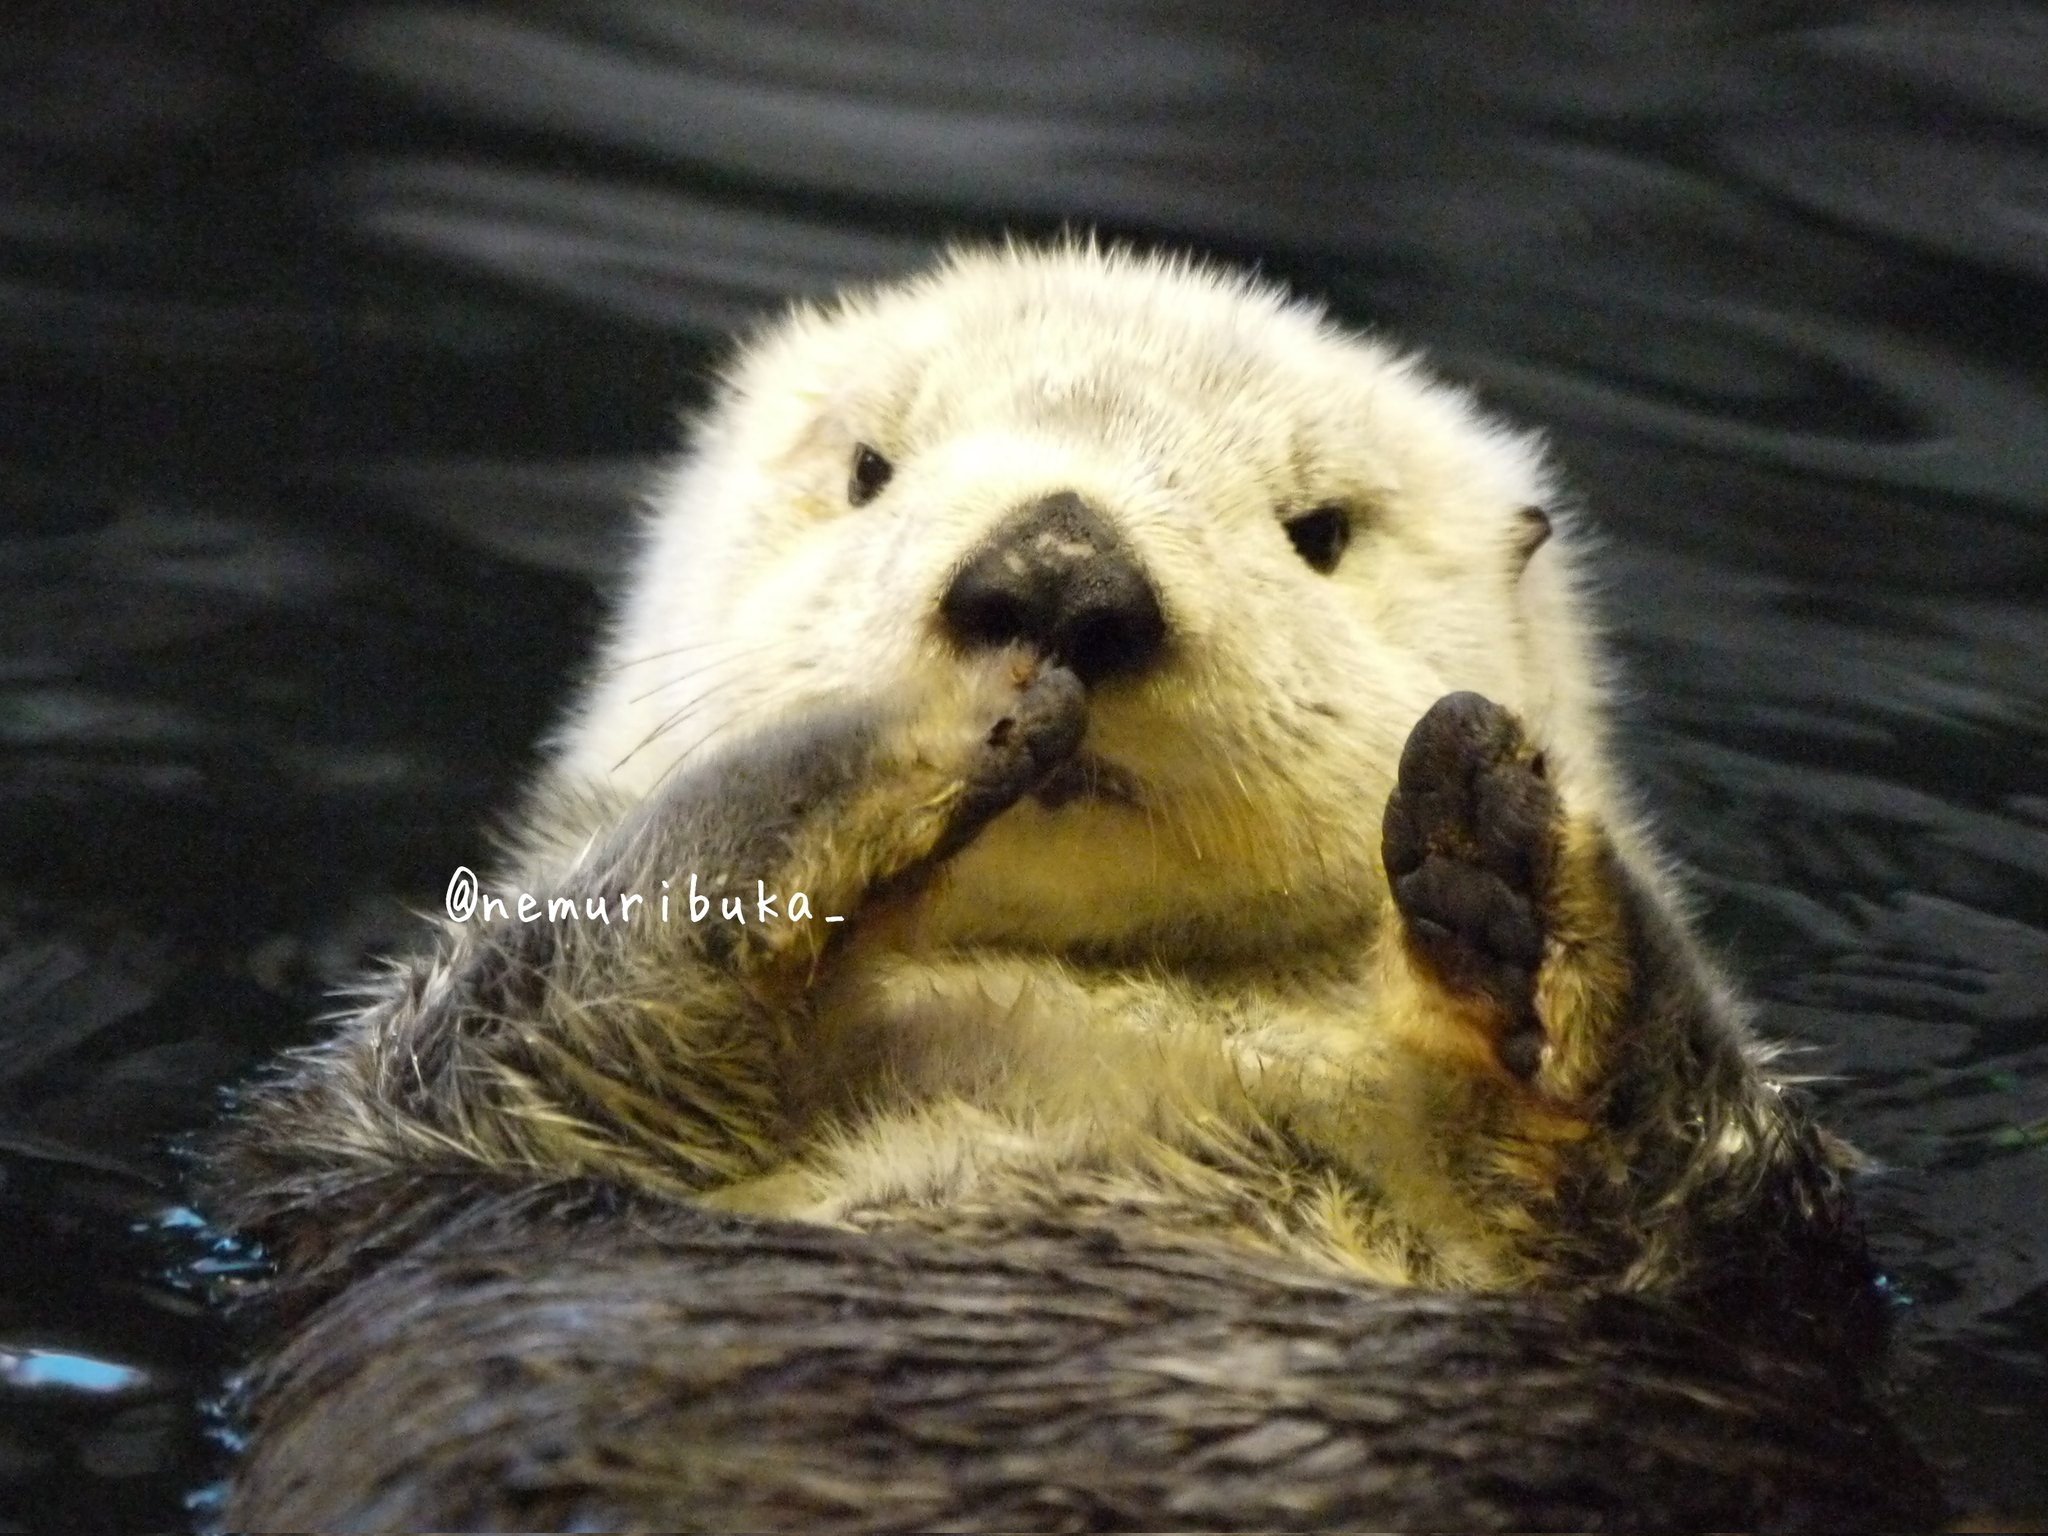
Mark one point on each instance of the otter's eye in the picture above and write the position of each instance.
(870, 473)
(1320, 537)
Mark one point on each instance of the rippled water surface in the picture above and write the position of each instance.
(335, 339)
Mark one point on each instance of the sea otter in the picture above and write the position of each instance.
(1090, 753)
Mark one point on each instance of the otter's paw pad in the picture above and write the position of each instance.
(1031, 738)
(1470, 841)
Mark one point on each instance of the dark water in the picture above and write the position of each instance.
(334, 338)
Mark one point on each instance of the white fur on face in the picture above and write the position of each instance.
(1196, 411)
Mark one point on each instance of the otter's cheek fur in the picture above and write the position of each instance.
(1188, 712)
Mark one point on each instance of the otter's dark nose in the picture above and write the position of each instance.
(1054, 575)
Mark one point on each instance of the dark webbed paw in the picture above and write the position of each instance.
(1470, 845)
(1040, 730)
(1024, 745)
(966, 749)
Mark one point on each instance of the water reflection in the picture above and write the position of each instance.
(334, 338)
(32, 1370)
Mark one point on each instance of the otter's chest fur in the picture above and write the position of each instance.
(990, 1090)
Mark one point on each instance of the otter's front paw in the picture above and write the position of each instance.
(1033, 734)
(1470, 845)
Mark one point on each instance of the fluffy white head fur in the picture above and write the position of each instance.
(1197, 410)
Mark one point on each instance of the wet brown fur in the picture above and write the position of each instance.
(573, 1356)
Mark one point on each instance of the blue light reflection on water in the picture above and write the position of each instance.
(33, 1369)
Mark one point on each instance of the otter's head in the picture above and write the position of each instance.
(1266, 544)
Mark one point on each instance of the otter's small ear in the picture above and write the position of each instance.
(1532, 532)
